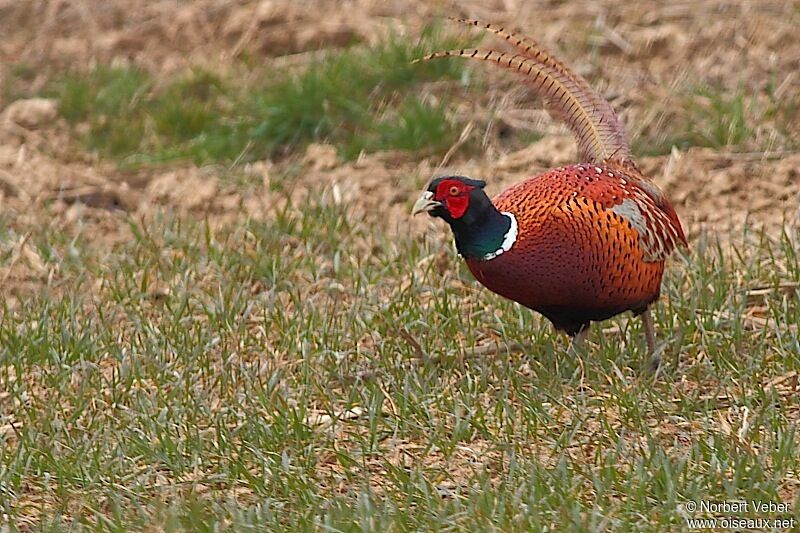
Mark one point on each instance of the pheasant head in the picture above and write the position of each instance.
(480, 230)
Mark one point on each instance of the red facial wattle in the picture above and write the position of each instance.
(457, 205)
(455, 197)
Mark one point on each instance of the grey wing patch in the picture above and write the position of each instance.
(657, 237)
(629, 210)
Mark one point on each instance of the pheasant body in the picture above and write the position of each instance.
(579, 243)
(583, 234)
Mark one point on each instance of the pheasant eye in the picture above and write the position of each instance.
(454, 190)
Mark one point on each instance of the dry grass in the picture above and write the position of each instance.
(274, 344)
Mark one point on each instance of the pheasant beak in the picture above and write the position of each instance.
(425, 203)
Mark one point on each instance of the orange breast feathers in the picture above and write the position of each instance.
(589, 237)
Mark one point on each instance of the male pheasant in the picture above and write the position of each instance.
(580, 243)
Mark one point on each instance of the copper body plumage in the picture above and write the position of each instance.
(580, 243)
(576, 260)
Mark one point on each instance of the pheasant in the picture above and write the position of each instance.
(577, 244)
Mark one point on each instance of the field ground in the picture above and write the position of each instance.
(217, 312)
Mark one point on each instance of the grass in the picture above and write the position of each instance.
(308, 372)
(715, 118)
(15, 82)
(311, 370)
(359, 100)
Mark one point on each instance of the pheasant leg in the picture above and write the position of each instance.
(578, 341)
(650, 338)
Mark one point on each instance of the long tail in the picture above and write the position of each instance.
(567, 96)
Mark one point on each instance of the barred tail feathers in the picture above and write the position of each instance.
(568, 96)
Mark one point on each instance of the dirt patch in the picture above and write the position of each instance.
(639, 55)
(644, 52)
(165, 35)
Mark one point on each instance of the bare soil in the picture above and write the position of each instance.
(643, 52)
